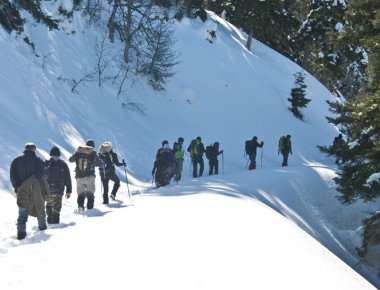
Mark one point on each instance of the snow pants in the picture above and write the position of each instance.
(53, 208)
(116, 185)
(196, 161)
(213, 165)
(86, 189)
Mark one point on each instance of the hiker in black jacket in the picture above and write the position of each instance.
(110, 159)
(251, 150)
(58, 178)
(27, 177)
(164, 165)
(212, 153)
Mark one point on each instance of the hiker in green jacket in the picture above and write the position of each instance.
(179, 154)
(285, 148)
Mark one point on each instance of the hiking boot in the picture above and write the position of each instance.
(21, 235)
(113, 197)
(43, 227)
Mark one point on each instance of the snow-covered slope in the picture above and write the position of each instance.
(221, 92)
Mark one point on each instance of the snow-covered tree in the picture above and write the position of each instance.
(298, 96)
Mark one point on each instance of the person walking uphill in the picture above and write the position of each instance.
(251, 150)
(164, 165)
(179, 155)
(285, 148)
(110, 159)
(58, 178)
(197, 149)
(212, 153)
(29, 183)
(86, 160)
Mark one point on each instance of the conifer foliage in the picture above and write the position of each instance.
(298, 98)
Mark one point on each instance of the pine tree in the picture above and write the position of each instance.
(359, 117)
(298, 96)
(319, 48)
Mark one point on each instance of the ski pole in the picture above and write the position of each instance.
(126, 178)
(223, 162)
(261, 161)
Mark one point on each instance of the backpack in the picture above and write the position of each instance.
(248, 149)
(84, 161)
(209, 150)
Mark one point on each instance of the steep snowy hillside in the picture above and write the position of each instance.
(221, 92)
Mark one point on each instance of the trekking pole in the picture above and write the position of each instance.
(261, 161)
(223, 162)
(126, 178)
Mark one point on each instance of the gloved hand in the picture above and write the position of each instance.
(124, 164)
(68, 194)
(262, 143)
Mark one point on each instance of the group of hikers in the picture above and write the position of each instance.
(40, 185)
(168, 164)
(169, 161)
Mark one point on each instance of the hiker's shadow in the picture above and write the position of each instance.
(95, 213)
(62, 225)
(117, 205)
(34, 238)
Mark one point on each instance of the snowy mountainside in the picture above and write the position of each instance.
(220, 91)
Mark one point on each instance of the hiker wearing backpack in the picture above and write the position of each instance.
(108, 172)
(164, 165)
(58, 178)
(179, 155)
(197, 150)
(212, 153)
(29, 183)
(251, 150)
(86, 160)
(285, 148)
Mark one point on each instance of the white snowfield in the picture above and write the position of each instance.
(209, 233)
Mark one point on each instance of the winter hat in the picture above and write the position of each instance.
(199, 138)
(30, 146)
(180, 140)
(165, 142)
(55, 151)
(90, 143)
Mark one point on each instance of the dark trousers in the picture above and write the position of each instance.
(53, 208)
(90, 199)
(163, 176)
(196, 161)
(285, 156)
(116, 185)
(213, 165)
(23, 218)
(178, 169)
(252, 163)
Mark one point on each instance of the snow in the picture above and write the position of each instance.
(211, 233)
(373, 178)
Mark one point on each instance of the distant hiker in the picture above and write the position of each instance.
(86, 160)
(108, 173)
(251, 150)
(197, 149)
(29, 183)
(164, 165)
(212, 153)
(211, 35)
(285, 148)
(179, 155)
(58, 178)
